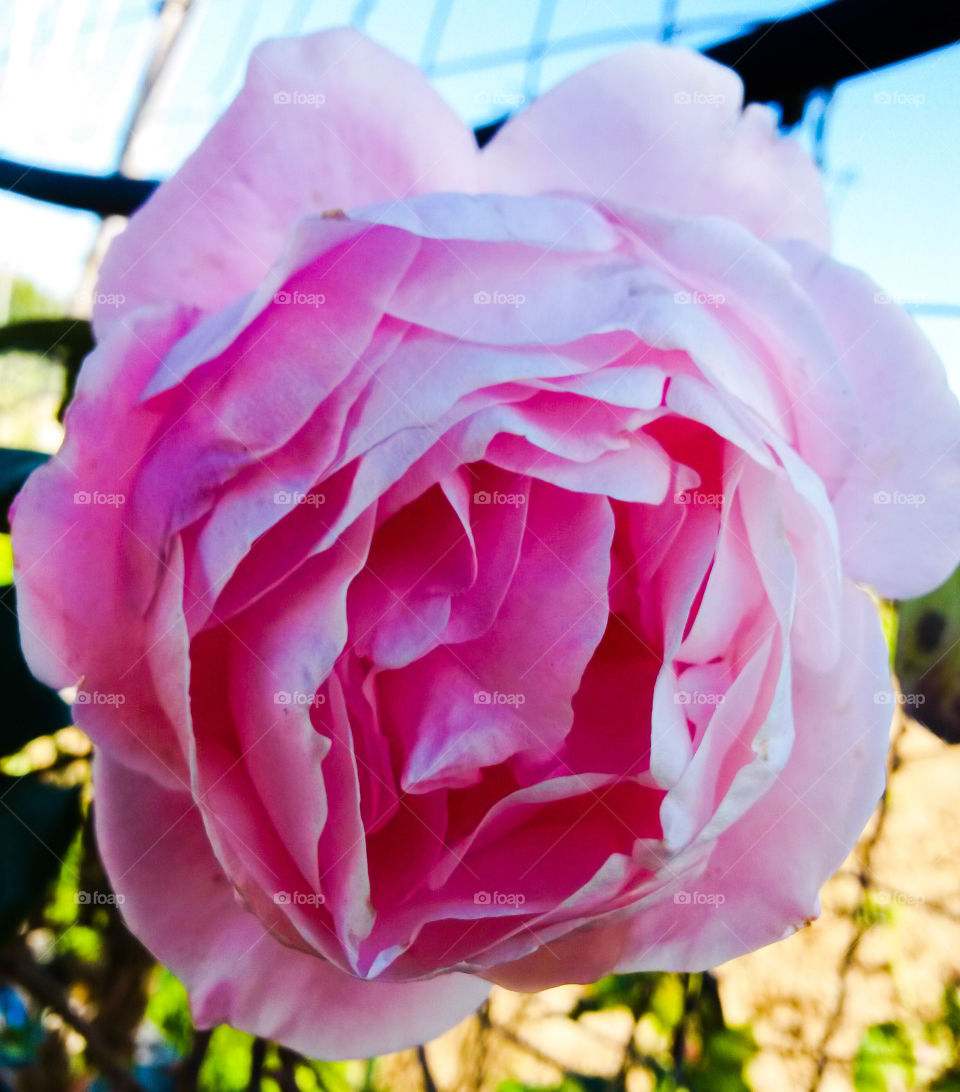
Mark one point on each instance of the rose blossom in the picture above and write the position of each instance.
(482, 577)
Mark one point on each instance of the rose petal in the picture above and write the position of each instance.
(153, 844)
(211, 232)
(662, 128)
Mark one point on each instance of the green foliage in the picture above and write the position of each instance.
(6, 560)
(27, 301)
(631, 991)
(720, 1067)
(226, 1067)
(871, 911)
(569, 1084)
(701, 1053)
(885, 1054)
(169, 1009)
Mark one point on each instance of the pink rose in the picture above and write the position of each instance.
(478, 566)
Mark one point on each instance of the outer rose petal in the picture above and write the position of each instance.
(910, 446)
(663, 128)
(77, 623)
(210, 233)
(798, 834)
(153, 844)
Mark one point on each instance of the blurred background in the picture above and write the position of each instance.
(99, 100)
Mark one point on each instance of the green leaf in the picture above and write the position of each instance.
(720, 1067)
(885, 1051)
(666, 1001)
(37, 823)
(28, 708)
(15, 467)
(169, 1009)
(6, 560)
(632, 991)
(226, 1065)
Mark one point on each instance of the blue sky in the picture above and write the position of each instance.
(69, 70)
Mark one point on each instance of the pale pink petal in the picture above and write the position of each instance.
(765, 872)
(153, 845)
(86, 618)
(662, 128)
(897, 509)
(211, 232)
